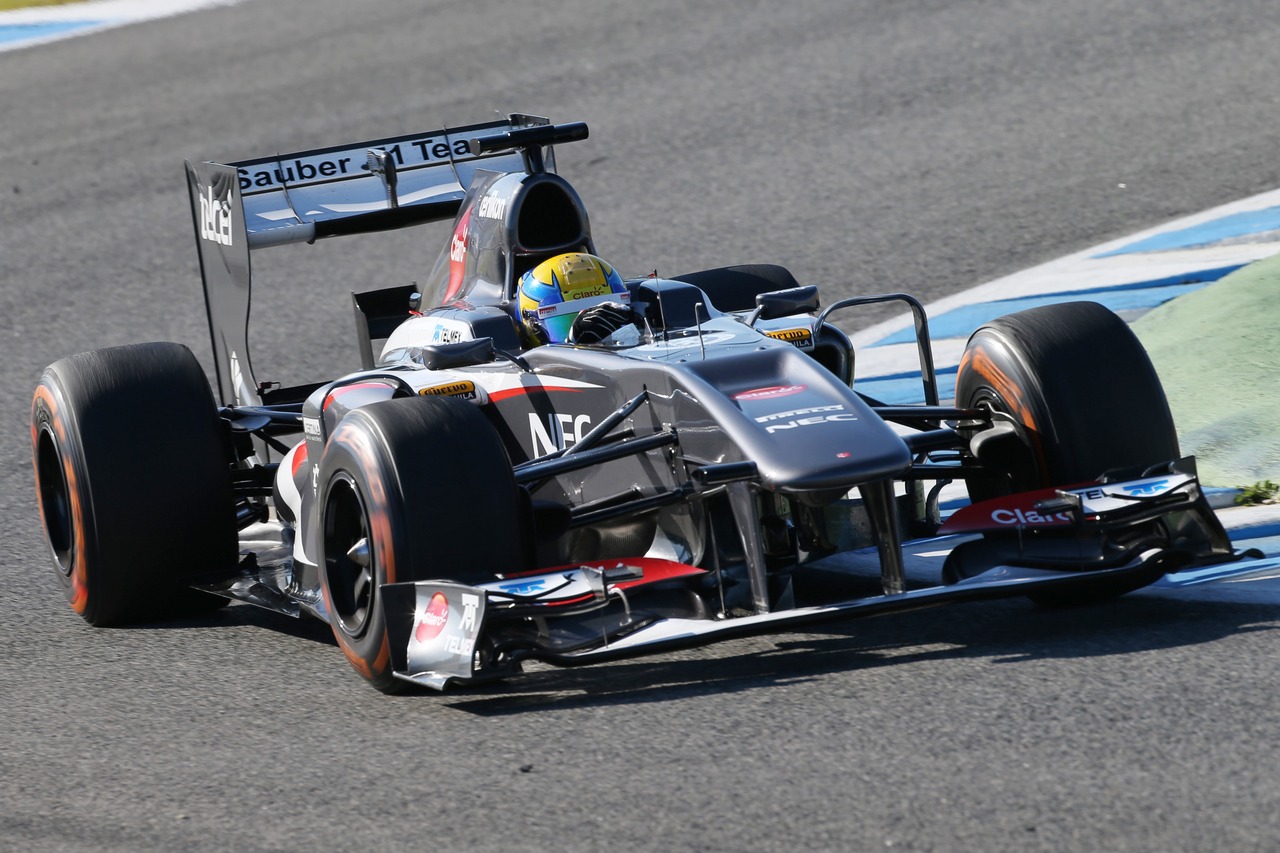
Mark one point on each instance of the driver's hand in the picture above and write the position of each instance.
(599, 323)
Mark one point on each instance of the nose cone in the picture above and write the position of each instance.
(811, 438)
(804, 429)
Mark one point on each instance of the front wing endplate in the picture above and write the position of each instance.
(432, 628)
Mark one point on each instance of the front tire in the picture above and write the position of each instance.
(132, 480)
(411, 489)
(1080, 389)
(1084, 399)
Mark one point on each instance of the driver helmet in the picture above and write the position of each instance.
(554, 292)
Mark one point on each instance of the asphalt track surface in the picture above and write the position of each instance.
(918, 145)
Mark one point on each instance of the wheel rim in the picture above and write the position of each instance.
(350, 565)
(55, 501)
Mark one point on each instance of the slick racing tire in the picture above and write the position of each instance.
(411, 489)
(1078, 387)
(1084, 399)
(133, 481)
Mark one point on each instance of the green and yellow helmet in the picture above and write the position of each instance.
(556, 290)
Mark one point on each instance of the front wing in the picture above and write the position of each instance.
(441, 633)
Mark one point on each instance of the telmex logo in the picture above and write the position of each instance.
(442, 334)
(771, 392)
(470, 604)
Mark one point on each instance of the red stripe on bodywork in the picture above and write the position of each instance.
(495, 396)
(654, 569)
(299, 459)
(343, 389)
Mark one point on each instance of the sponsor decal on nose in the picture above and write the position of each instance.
(770, 392)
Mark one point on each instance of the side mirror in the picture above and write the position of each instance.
(460, 354)
(784, 303)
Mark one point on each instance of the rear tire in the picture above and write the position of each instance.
(411, 489)
(132, 480)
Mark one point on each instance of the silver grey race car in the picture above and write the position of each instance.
(465, 501)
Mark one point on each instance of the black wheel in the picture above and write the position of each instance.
(411, 489)
(1084, 399)
(133, 481)
(1078, 386)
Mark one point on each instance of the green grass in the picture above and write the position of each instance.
(1218, 355)
(6, 5)
(1258, 493)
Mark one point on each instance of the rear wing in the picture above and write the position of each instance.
(349, 189)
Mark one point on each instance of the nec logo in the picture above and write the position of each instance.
(561, 431)
(815, 415)
(215, 219)
(810, 421)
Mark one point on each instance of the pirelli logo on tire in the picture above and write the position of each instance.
(799, 338)
(466, 389)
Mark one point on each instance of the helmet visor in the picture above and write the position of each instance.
(556, 320)
(557, 326)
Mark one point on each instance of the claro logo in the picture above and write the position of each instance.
(431, 621)
(1017, 516)
(215, 218)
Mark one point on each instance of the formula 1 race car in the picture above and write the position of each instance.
(473, 498)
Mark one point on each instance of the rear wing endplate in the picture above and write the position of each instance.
(362, 187)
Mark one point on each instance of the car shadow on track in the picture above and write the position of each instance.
(239, 614)
(1004, 632)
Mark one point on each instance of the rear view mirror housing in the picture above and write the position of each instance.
(785, 303)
